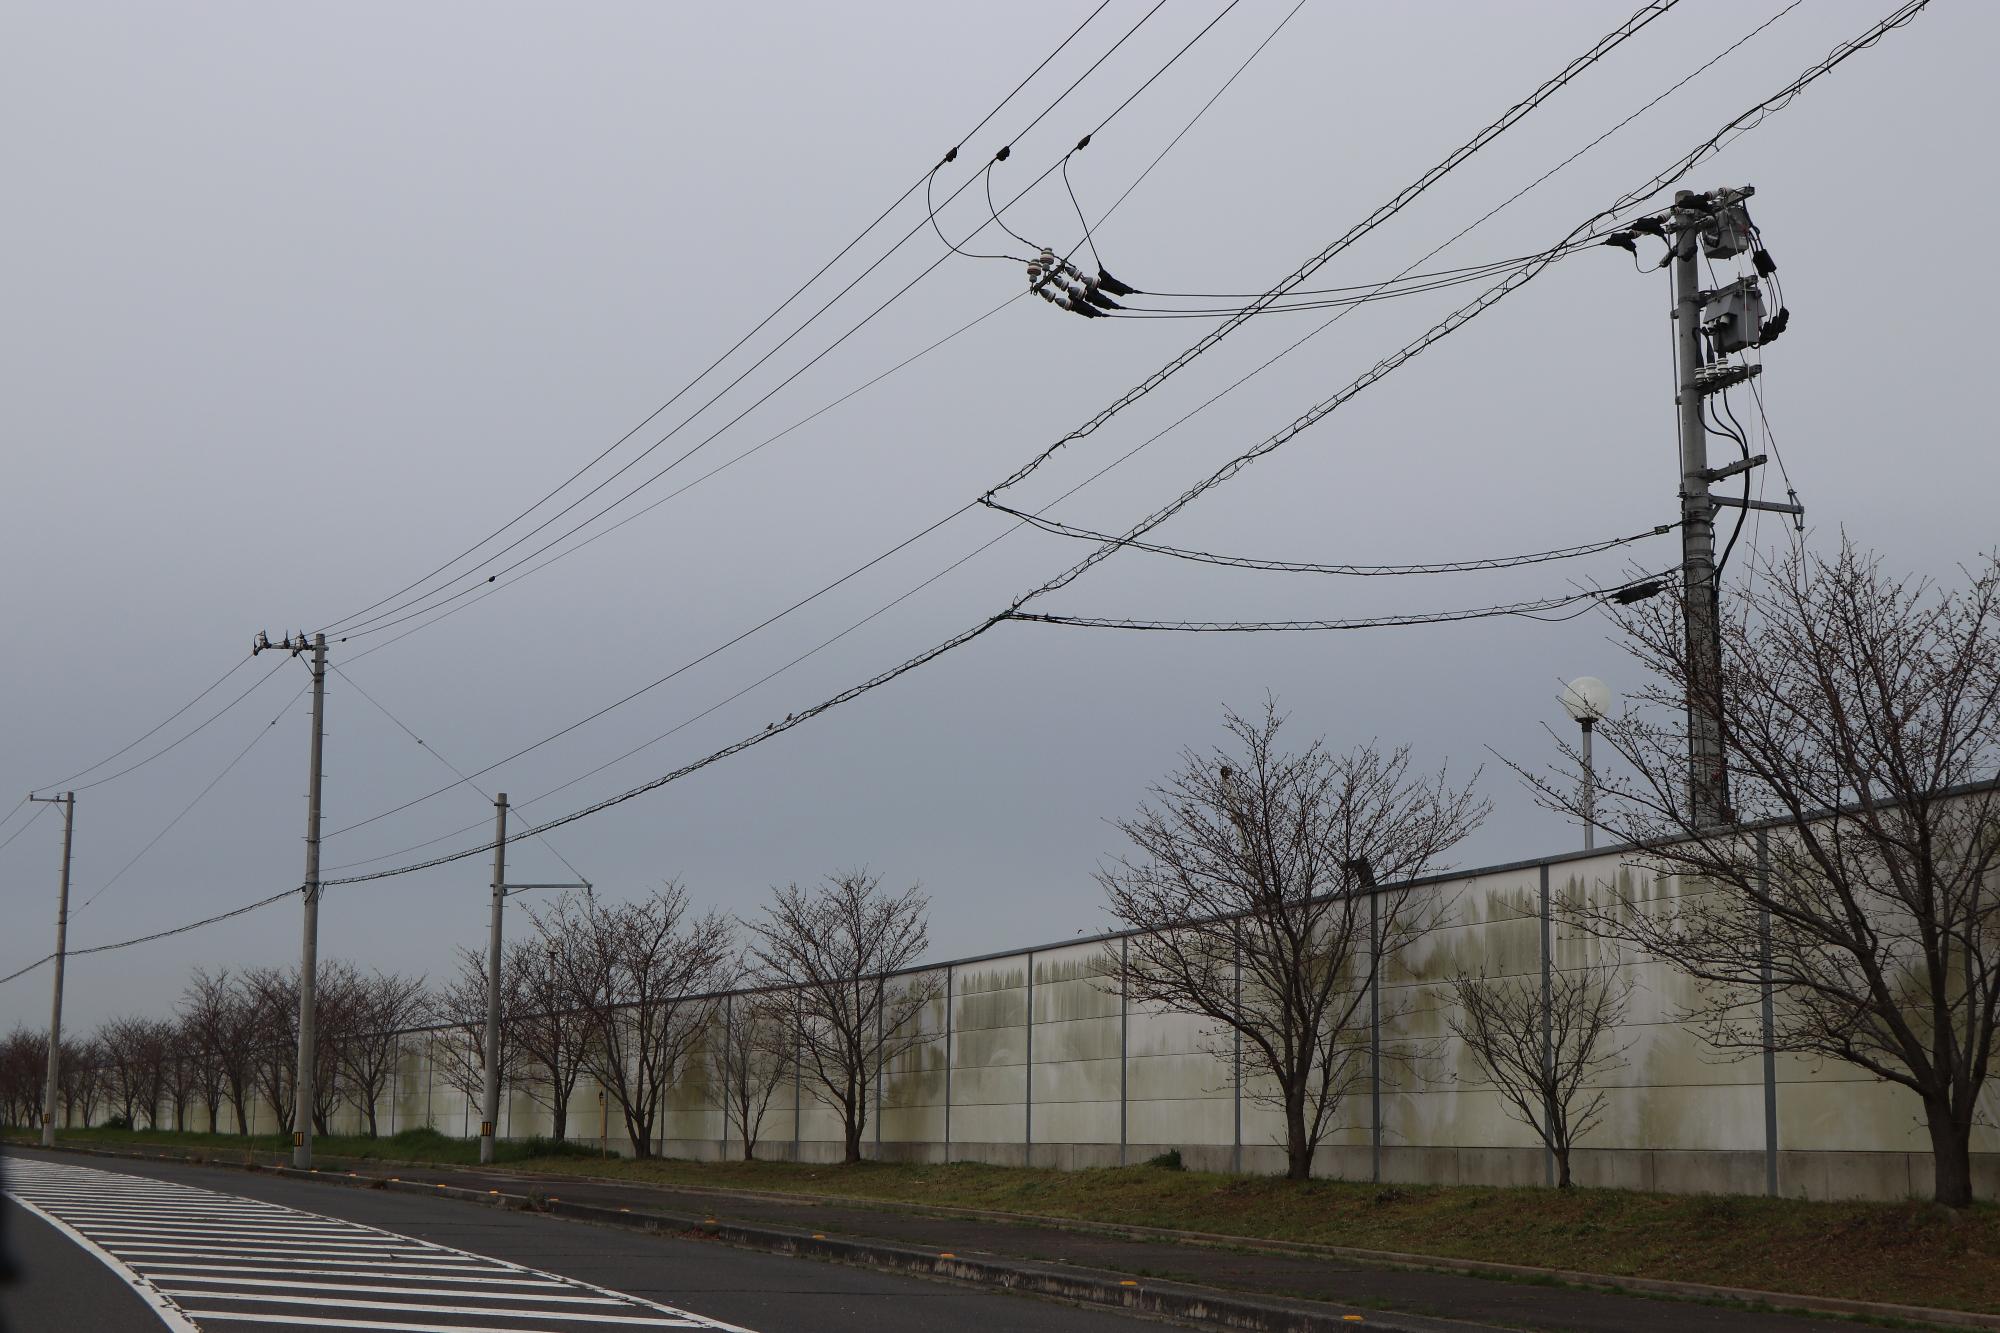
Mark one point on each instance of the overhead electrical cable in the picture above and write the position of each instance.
(1363, 571)
(158, 934)
(187, 735)
(130, 745)
(1644, 16)
(227, 769)
(1512, 115)
(381, 621)
(434, 753)
(782, 306)
(26, 824)
(1455, 321)
(1284, 626)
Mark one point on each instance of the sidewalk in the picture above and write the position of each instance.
(988, 1248)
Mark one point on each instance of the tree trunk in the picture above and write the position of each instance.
(1563, 1181)
(853, 1148)
(1298, 1148)
(371, 1119)
(1951, 1150)
(559, 1123)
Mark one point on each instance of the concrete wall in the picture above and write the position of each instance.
(1036, 1059)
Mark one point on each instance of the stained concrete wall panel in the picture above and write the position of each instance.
(1000, 1122)
(1081, 1039)
(1185, 1123)
(1155, 1033)
(1851, 1117)
(1003, 1085)
(1078, 1081)
(1176, 1077)
(1077, 1121)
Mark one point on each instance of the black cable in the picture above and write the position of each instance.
(1637, 22)
(40, 810)
(1457, 320)
(1591, 595)
(198, 728)
(213, 782)
(212, 688)
(1362, 571)
(987, 176)
(158, 934)
(438, 755)
(1632, 25)
(761, 324)
(362, 626)
(1081, 219)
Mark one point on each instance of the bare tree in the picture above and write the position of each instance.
(1544, 1058)
(550, 1033)
(380, 1007)
(271, 996)
(835, 950)
(644, 975)
(1253, 889)
(221, 1015)
(460, 1006)
(80, 1079)
(180, 1070)
(23, 1064)
(1862, 738)
(748, 1062)
(133, 1053)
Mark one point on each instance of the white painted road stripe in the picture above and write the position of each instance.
(242, 1261)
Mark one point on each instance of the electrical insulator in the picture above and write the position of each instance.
(1733, 317)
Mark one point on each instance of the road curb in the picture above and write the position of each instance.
(1164, 1299)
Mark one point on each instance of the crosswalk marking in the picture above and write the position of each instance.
(206, 1260)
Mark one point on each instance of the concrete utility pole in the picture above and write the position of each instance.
(489, 1106)
(1708, 779)
(489, 1112)
(49, 1094)
(302, 1112)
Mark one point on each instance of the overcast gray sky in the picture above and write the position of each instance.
(303, 300)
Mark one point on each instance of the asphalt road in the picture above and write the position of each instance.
(250, 1253)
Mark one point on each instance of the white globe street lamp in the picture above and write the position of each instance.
(1587, 699)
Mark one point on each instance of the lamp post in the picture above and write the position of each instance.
(1587, 699)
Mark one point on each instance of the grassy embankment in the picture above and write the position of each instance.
(1906, 1253)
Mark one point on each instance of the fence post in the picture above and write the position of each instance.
(1374, 1031)
(950, 1003)
(1028, 1117)
(1236, 1069)
(1548, 1027)
(1769, 1018)
(1124, 1041)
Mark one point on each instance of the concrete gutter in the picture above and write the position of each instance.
(1159, 1298)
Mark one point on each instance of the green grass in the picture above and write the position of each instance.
(1905, 1253)
(410, 1145)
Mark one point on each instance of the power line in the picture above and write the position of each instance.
(1637, 22)
(158, 934)
(1512, 115)
(1291, 626)
(212, 688)
(356, 623)
(39, 811)
(1363, 571)
(187, 735)
(227, 769)
(1457, 320)
(438, 755)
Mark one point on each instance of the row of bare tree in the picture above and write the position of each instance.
(644, 997)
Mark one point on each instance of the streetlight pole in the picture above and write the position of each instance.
(1587, 699)
(49, 1093)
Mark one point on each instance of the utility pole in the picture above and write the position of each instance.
(1708, 781)
(302, 1112)
(489, 1113)
(1727, 320)
(68, 803)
